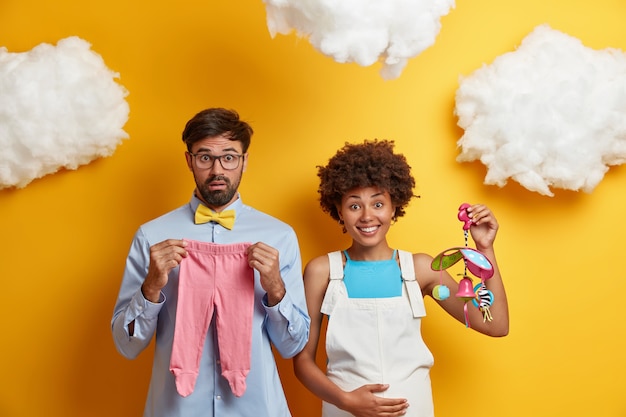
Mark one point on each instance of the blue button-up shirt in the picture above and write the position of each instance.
(285, 325)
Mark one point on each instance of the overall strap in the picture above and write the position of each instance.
(335, 284)
(412, 286)
(336, 265)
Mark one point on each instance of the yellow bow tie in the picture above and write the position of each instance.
(205, 215)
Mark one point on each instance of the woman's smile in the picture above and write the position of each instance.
(368, 229)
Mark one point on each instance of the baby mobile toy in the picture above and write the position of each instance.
(476, 263)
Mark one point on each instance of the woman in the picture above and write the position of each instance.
(378, 364)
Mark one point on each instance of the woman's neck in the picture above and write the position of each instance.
(381, 252)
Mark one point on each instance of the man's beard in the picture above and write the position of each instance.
(220, 197)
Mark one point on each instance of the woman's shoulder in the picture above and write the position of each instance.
(319, 265)
(419, 257)
(422, 262)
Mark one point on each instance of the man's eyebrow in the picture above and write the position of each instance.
(227, 150)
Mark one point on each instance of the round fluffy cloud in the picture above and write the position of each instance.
(364, 32)
(551, 114)
(60, 107)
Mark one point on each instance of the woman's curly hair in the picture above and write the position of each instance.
(368, 164)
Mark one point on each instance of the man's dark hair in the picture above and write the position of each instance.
(217, 122)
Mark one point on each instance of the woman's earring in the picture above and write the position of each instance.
(343, 229)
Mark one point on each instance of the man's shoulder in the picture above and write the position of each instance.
(179, 213)
(251, 213)
(261, 226)
(167, 225)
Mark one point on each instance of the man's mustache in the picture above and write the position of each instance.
(217, 178)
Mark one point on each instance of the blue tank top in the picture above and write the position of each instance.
(372, 279)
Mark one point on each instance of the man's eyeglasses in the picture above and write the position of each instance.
(229, 161)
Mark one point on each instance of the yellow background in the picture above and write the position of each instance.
(64, 237)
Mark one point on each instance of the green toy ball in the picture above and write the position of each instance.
(441, 292)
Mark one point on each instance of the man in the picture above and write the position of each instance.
(216, 295)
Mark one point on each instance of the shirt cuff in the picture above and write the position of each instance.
(140, 306)
(280, 311)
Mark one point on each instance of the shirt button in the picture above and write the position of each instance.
(218, 397)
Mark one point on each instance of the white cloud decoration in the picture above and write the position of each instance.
(362, 31)
(551, 114)
(60, 107)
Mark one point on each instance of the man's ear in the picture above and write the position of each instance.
(189, 157)
(245, 162)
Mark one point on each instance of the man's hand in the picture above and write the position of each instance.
(164, 257)
(265, 259)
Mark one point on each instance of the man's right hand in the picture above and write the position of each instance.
(164, 257)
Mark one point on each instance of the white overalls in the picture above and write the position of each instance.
(378, 340)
